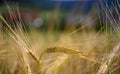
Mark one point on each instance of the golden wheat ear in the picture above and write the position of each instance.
(78, 53)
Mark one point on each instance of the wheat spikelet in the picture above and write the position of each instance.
(13, 34)
(62, 49)
(104, 67)
(21, 39)
(57, 49)
(28, 69)
(33, 55)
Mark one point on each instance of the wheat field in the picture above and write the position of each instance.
(78, 51)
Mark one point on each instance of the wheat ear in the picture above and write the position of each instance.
(57, 49)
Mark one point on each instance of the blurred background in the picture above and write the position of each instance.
(61, 15)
